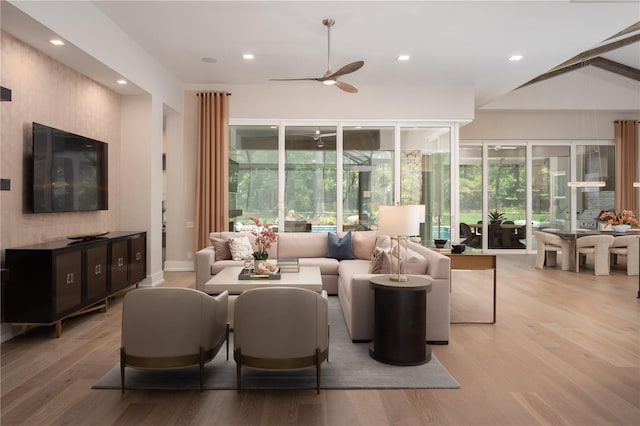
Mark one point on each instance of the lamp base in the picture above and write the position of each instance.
(399, 278)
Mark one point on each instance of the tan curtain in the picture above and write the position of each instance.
(626, 134)
(212, 170)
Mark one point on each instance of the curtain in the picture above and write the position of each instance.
(626, 138)
(212, 169)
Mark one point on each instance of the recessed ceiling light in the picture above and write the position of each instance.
(248, 56)
(209, 60)
(403, 57)
(121, 81)
(515, 58)
(56, 42)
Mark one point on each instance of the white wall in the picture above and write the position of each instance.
(141, 176)
(303, 101)
(541, 125)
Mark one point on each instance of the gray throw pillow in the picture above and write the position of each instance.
(221, 248)
(340, 248)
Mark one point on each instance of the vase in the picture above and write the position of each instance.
(258, 262)
(621, 228)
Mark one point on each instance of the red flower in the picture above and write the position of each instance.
(624, 217)
(265, 237)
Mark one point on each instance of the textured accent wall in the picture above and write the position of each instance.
(48, 92)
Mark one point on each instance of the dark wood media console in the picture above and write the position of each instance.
(56, 280)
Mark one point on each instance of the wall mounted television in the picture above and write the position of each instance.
(70, 172)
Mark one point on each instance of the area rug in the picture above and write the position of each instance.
(349, 367)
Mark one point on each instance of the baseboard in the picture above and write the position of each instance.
(179, 265)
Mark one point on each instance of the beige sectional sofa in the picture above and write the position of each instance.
(349, 279)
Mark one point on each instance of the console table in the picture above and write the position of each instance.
(52, 281)
(473, 261)
(400, 330)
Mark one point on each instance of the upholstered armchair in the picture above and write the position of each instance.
(548, 247)
(281, 328)
(171, 328)
(598, 246)
(627, 245)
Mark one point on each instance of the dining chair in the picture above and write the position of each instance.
(598, 247)
(548, 246)
(629, 246)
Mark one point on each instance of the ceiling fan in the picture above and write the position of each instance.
(330, 78)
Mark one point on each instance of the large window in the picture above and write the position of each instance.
(253, 175)
(367, 176)
(425, 170)
(310, 178)
(319, 178)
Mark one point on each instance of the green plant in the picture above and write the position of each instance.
(495, 215)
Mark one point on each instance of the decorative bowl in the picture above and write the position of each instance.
(621, 228)
(458, 248)
(439, 242)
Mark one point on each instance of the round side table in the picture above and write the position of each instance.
(400, 330)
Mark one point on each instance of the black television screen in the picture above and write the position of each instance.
(69, 171)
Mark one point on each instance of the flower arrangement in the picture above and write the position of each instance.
(623, 217)
(265, 237)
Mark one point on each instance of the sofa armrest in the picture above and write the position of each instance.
(438, 265)
(204, 260)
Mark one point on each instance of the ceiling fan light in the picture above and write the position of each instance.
(329, 82)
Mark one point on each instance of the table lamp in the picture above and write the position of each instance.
(399, 222)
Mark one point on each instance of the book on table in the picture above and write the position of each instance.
(289, 264)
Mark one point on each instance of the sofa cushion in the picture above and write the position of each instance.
(363, 243)
(327, 266)
(340, 248)
(240, 248)
(386, 262)
(302, 244)
(221, 248)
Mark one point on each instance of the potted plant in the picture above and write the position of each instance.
(495, 216)
(265, 237)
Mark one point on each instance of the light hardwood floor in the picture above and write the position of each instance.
(565, 350)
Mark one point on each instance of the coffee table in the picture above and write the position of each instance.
(227, 279)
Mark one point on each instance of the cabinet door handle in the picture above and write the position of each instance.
(138, 256)
(98, 269)
(70, 278)
(120, 261)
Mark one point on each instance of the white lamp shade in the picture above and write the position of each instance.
(421, 211)
(399, 220)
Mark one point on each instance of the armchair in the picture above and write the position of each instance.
(281, 328)
(171, 328)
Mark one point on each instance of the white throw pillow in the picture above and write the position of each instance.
(240, 248)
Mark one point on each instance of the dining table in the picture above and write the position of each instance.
(572, 236)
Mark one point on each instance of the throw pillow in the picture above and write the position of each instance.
(414, 262)
(240, 248)
(221, 248)
(340, 248)
(386, 262)
(363, 243)
(380, 264)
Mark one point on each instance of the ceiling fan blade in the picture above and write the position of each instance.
(347, 69)
(346, 87)
(295, 79)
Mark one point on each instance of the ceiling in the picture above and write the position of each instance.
(449, 42)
